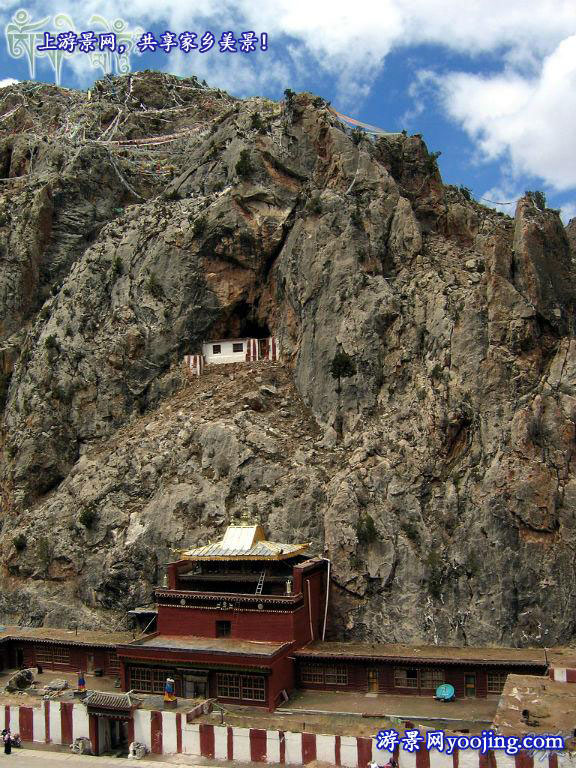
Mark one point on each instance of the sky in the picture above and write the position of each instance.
(490, 85)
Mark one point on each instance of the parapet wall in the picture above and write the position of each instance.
(168, 733)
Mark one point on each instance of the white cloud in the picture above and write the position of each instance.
(524, 114)
(7, 81)
(350, 40)
(530, 120)
(568, 212)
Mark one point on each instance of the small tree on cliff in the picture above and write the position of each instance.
(244, 167)
(341, 368)
(538, 197)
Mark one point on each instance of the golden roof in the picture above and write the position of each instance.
(244, 542)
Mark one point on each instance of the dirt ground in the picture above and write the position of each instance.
(403, 707)
(356, 714)
(36, 692)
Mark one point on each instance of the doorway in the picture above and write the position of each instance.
(19, 658)
(263, 349)
(89, 663)
(372, 681)
(112, 736)
(470, 686)
(195, 687)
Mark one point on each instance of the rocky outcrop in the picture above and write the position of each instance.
(437, 474)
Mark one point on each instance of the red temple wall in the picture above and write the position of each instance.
(358, 676)
(315, 614)
(78, 657)
(282, 678)
(260, 625)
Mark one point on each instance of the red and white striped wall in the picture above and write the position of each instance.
(170, 733)
(194, 363)
(273, 349)
(562, 674)
(252, 352)
(52, 722)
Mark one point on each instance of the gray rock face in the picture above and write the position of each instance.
(438, 475)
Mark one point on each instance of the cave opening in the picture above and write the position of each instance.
(5, 162)
(242, 322)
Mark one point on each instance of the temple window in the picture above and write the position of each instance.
(495, 681)
(431, 678)
(238, 347)
(405, 678)
(228, 686)
(246, 687)
(216, 349)
(336, 676)
(223, 628)
(149, 680)
(61, 655)
(314, 673)
(253, 688)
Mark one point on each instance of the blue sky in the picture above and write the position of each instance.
(490, 85)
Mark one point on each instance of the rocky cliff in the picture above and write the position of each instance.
(438, 474)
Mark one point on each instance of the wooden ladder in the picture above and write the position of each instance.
(260, 585)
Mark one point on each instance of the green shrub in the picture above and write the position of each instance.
(289, 96)
(4, 385)
(537, 431)
(432, 162)
(437, 371)
(20, 542)
(199, 226)
(51, 343)
(466, 192)
(257, 123)
(117, 266)
(411, 531)
(87, 517)
(244, 167)
(366, 531)
(435, 574)
(154, 286)
(44, 552)
(342, 365)
(357, 135)
(356, 218)
(314, 205)
(538, 198)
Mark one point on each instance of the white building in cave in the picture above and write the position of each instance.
(219, 351)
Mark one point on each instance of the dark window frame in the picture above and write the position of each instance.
(403, 680)
(223, 628)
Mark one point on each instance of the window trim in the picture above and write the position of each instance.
(319, 674)
(399, 671)
(232, 685)
(489, 682)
